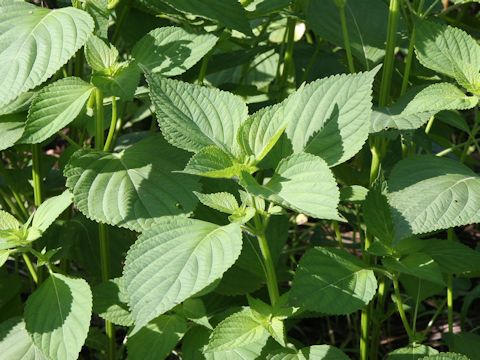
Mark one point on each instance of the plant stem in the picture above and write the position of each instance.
(99, 119)
(119, 22)
(346, 38)
(338, 234)
(394, 13)
(269, 266)
(37, 175)
(376, 159)
(365, 315)
(113, 126)
(288, 57)
(102, 228)
(401, 311)
(378, 321)
(450, 291)
(408, 63)
(203, 68)
(31, 268)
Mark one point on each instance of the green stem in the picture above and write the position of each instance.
(401, 311)
(311, 62)
(79, 64)
(338, 234)
(376, 159)
(14, 209)
(346, 38)
(364, 324)
(269, 266)
(471, 137)
(37, 175)
(429, 124)
(113, 126)
(119, 23)
(102, 228)
(20, 204)
(365, 315)
(203, 68)
(408, 63)
(417, 304)
(31, 268)
(394, 13)
(99, 119)
(450, 291)
(378, 321)
(288, 57)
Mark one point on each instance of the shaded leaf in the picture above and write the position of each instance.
(332, 281)
(156, 340)
(57, 316)
(170, 50)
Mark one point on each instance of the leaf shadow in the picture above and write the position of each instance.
(327, 141)
(52, 311)
(165, 58)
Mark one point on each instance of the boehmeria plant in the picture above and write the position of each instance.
(255, 179)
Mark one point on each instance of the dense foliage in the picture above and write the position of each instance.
(255, 179)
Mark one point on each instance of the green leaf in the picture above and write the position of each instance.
(54, 107)
(170, 50)
(428, 193)
(50, 210)
(11, 129)
(195, 310)
(377, 215)
(15, 343)
(366, 24)
(120, 80)
(35, 43)
(353, 193)
(315, 352)
(301, 182)
(8, 221)
(227, 12)
(99, 55)
(4, 254)
(57, 316)
(446, 356)
(222, 201)
(100, 13)
(133, 188)
(20, 104)
(261, 131)
(192, 117)
(416, 107)
(175, 260)
(330, 117)
(110, 303)
(412, 352)
(419, 265)
(241, 335)
(332, 281)
(448, 50)
(453, 257)
(156, 340)
(213, 162)
(464, 343)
